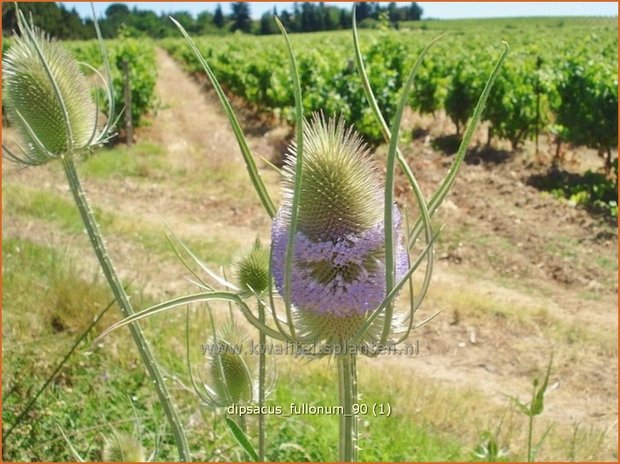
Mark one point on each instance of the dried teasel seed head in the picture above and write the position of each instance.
(122, 447)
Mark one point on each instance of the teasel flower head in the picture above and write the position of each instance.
(49, 99)
(229, 374)
(121, 447)
(251, 268)
(338, 269)
(231, 380)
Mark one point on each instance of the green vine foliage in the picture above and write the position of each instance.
(587, 104)
(527, 97)
(519, 104)
(467, 82)
(140, 54)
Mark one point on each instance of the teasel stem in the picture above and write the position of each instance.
(530, 429)
(347, 383)
(123, 301)
(355, 400)
(262, 341)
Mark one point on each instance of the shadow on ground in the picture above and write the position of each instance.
(596, 192)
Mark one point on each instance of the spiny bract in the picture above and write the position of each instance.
(47, 97)
(338, 272)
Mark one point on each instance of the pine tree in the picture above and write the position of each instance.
(362, 11)
(241, 17)
(267, 24)
(218, 17)
(415, 12)
(345, 20)
(285, 17)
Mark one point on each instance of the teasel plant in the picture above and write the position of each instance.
(251, 269)
(339, 256)
(231, 380)
(50, 102)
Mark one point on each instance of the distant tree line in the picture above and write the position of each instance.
(53, 18)
(312, 17)
(67, 24)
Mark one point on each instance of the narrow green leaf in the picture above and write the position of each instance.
(74, 451)
(270, 164)
(425, 216)
(178, 254)
(389, 193)
(96, 125)
(222, 281)
(189, 299)
(446, 184)
(111, 123)
(538, 402)
(523, 408)
(241, 439)
(299, 153)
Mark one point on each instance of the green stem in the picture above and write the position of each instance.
(355, 399)
(261, 385)
(242, 424)
(123, 301)
(529, 438)
(347, 380)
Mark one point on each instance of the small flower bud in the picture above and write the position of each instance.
(252, 269)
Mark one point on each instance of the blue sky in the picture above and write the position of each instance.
(443, 10)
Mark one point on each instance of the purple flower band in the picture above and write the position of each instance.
(353, 277)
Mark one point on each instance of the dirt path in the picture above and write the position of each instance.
(191, 124)
(198, 141)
